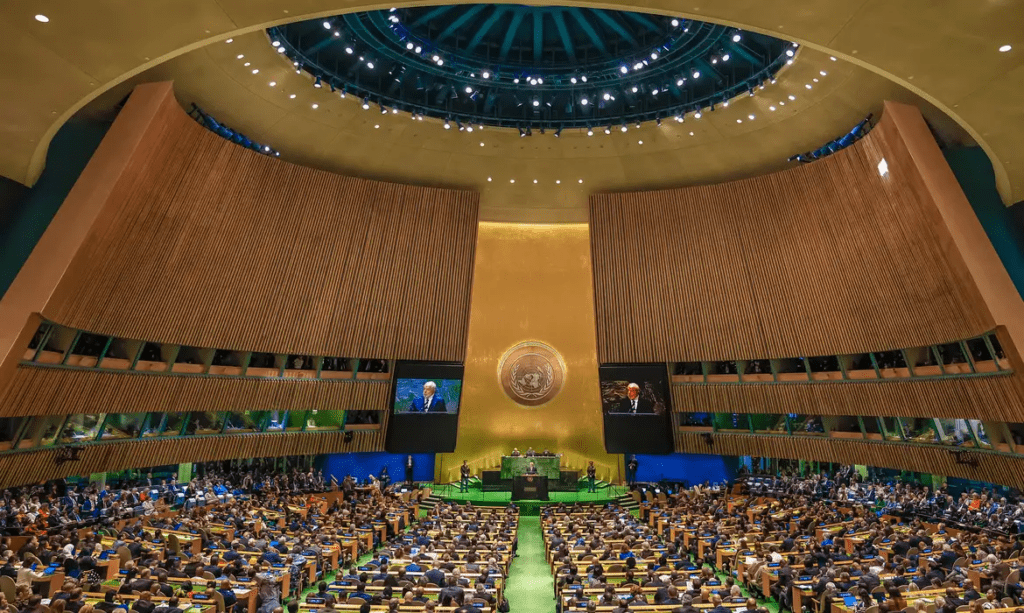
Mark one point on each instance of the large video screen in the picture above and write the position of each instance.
(427, 396)
(636, 404)
(425, 402)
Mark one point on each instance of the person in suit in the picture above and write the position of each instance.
(515, 453)
(531, 469)
(464, 473)
(429, 402)
(633, 404)
(435, 575)
(591, 475)
(409, 465)
(631, 470)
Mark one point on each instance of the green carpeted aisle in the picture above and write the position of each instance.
(530, 586)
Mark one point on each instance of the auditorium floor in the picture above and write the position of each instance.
(530, 586)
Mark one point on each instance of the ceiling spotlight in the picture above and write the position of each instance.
(481, 144)
(590, 131)
(680, 118)
(366, 104)
(675, 23)
(511, 180)
(558, 132)
(623, 69)
(540, 80)
(1002, 49)
(697, 115)
(654, 55)
(327, 25)
(369, 65)
(833, 58)
(533, 81)
(418, 49)
(624, 127)
(317, 84)
(266, 148)
(679, 82)
(823, 73)
(639, 142)
(536, 103)
(239, 56)
(315, 106)
(638, 125)
(771, 108)
(273, 83)
(607, 96)
(486, 75)
(573, 80)
(383, 110)
(808, 86)
(255, 70)
(292, 97)
(376, 126)
(247, 64)
(638, 66)
(394, 111)
(435, 58)
(348, 50)
(790, 52)
(440, 62)
(280, 49)
(725, 104)
(815, 79)
(583, 78)
(469, 128)
(714, 60)
(581, 180)
(342, 93)
(739, 121)
(751, 117)
(584, 101)
(516, 80)
(558, 181)
(634, 90)
(696, 74)
(447, 125)
(522, 133)
(488, 179)
(736, 38)
(725, 58)
(409, 46)
(792, 97)
(608, 130)
(45, 19)
(654, 92)
(469, 90)
(658, 120)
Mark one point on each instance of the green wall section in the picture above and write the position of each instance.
(25, 213)
(1004, 225)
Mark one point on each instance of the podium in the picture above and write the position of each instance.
(549, 466)
(529, 487)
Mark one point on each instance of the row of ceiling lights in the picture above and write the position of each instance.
(527, 131)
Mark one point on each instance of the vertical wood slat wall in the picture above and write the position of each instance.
(57, 391)
(823, 259)
(999, 398)
(992, 468)
(38, 466)
(206, 243)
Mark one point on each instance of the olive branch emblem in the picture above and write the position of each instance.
(518, 387)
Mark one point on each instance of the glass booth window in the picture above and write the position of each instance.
(920, 429)
(246, 421)
(701, 420)
(123, 425)
(955, 432)
(735, 422)
(205, 422)
(806, 424)
(774, 424)
(325, 420)
(174, 423)
(81, 428)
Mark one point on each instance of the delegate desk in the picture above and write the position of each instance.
(533, 487)
(548, 465)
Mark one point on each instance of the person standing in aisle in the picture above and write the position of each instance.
(631, 471)
(591, 474)
(464, 483)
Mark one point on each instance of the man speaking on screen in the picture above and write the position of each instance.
(633, 403)
(430, 402)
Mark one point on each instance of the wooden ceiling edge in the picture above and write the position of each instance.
(38, 159)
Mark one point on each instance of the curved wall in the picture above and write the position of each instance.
(823, 259)
(203, 242)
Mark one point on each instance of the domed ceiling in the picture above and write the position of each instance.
(531, 67)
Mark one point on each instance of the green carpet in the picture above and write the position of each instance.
(530, 586)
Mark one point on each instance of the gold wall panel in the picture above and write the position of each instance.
(531, 282)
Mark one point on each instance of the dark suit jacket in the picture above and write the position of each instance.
(642, 406)
(436, 405)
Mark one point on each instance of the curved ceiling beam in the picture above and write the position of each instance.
(517, 18)
(497, 14)
(563, 33)
(589, 29)
(453, 27)
(617, 27)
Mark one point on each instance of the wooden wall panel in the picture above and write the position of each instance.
(37, 466)
(825, 258)
(998, 398)
(994, 468)
(207, 243)
(39, 391)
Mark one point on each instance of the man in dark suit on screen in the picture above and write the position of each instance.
(429, 402)
(633, 404)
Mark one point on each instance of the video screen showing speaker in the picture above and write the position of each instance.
(425, 401)
(636, 403)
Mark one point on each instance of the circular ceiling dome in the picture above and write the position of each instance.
(530, 67)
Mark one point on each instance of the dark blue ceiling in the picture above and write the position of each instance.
(531, 67)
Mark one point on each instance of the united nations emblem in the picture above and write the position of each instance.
(531, 373)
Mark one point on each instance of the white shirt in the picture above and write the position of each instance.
(427, 401)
